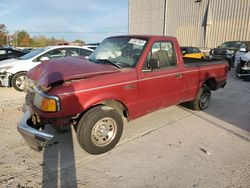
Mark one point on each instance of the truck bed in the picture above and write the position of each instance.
(192, 62)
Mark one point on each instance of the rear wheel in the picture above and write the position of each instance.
(99, 130)
(202, 99)
(18, 81)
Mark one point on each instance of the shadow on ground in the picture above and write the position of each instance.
(232, 103)
(59, 168)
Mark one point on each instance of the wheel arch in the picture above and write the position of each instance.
(11, 77)
(113, 103)
(117, 105)
(211, 83)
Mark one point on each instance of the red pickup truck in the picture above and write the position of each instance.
(126, 76)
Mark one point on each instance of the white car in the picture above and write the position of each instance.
(13, 71)
(244, 48)
(92, 46)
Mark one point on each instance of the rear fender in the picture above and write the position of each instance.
(211, 83)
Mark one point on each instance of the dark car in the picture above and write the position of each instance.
(8, 53)
(228, 49)
(221, 50)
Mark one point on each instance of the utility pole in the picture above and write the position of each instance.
(7, 39)
(198, 42)
(164, 17)
(16, 40)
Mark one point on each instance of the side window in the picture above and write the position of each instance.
(189, 50)
(196, 50)
(184, 51)
(2, 52)
(56, 53)
(164, 53)
(74, 52)
(10, 52)
(85, 52)
(243, 45)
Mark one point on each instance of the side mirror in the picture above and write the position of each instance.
(184, 52)
(154, 64)
(243, 50)
(44, 59)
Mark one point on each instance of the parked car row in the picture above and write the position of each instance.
(228, 50)
(8, 53)
(13, 71)
(236, 53)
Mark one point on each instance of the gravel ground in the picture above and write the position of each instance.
(173, 147)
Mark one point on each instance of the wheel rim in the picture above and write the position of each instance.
(20, 82)
(204, 102)
(104, 131)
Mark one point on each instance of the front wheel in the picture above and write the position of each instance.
(237, 70)
(18, 81)
(99, 130)
(202, 99)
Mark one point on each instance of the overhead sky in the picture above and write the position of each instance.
(88, 20)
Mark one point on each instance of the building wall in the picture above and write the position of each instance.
(146, 16)
(184, 19)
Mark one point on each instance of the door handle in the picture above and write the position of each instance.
(179, 75)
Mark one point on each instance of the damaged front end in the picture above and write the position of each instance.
(30, 126)
(35, 138)
(5, 79)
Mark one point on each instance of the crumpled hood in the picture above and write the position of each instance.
(9, 62)
(65, 69)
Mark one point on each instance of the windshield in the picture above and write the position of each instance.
(231, 45)
(33, 53)
(124, 51)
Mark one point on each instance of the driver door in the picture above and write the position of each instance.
(163, 86)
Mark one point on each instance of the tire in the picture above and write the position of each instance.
(202, 99)
(99, 129)
(17, 81)
(237, 70)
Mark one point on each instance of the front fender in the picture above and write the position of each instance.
(97, 99)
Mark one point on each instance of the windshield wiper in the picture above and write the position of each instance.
(118, 65)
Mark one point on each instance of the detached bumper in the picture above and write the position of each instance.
(5, 79)
(36, 139)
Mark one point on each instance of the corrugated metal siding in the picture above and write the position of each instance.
(146, 16)
(227, 20)
(184, 21)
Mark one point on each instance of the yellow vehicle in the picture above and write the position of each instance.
(192, 52)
